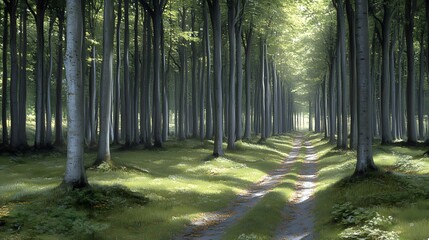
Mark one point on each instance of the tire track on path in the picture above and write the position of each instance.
(212, 226)
(298, 214)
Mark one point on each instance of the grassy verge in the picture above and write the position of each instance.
(393, 204)
(160, 192)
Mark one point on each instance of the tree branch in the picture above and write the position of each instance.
(31, 9)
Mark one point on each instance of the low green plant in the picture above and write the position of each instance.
(348, 215)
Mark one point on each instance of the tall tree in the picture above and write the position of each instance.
(209, 92)
(106, 84)
(39, 15)
(5, 137)
(156, 11)
(215, 16)
(12, 7)
(365, 162)
(60, 13)
(23, 79)
(75, 176)
(410, 8)
(232, 68)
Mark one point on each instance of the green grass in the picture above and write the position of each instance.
(402, 193)
(180, 182)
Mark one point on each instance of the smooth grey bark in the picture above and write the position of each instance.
(393, 102)
(248, 67)
(215, 16)
(182, 100)
(209, 89)
(202, 70)
(194, 96)
(12, 7)
(5, 135)
(165, 111)
(325, 108)
(275, 101)
(365, 162)
(48, 80)
(410, 7)
(39, 15)
(127, 80)
(421, 93)
(23, 79)
(75, 176)
(117, 84)
(106, 84)
(232, 77)
(144, 86)
(239, 69)
(339, 99)
(267, 99)
(386, 132)
(344, 81)
(263, 93)
(59, 140)
(331, 101)
(310, 115)
(156, 14)
(353, 81)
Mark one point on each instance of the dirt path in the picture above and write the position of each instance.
(298, 215)
(213, 226)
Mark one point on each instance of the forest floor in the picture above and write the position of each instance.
(294, 186)
(297, 215)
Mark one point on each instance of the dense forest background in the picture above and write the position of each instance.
(207, 69)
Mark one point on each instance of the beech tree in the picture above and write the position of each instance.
(75, 176)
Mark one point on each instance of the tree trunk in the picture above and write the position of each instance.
(353, 80)
(209, 92)
(5, 137)
(23, 81)
(393, 102)
(194, 57)
(106, 84)
(248, 48)
(14, 78)
(411, 85)
(239, 71)
(182, 100)
(232, 68)
(127, 81)
(331, 101)
(365, 162)
(59, 140)
(75, 176)
(215, 15)
(386, 136)
(40, 83)
(48, 84)
(275, 101)
(344, 82)
(421, 93)
(117, 89)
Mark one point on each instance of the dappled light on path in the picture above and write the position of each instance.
(214, 225)
(298, 215)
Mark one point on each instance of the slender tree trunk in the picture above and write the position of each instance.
(232, 77)
(106, 84)
(263, 93)
(23, 81)
(393, 102)
(75, 176)
(5, 137)
(421, 93)
(215, 15)
(331, 101)
(275, 101)
(386, 136)
(209, 92)
(194, 96)
(182, 101)
(344, 82)
(48, 84)
(410, 7)
(127, 81)
(59, 140)
(353, 80)
(165, 112)
(248, 51)
(117, 88)
(365, 162)
(239, 71)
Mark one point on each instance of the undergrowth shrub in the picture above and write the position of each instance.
(74, 213)
(362, 223)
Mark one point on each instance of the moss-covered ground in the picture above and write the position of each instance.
(392, 204)
(153, 194)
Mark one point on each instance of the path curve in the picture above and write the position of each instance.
(213, 225)
(298, 214)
